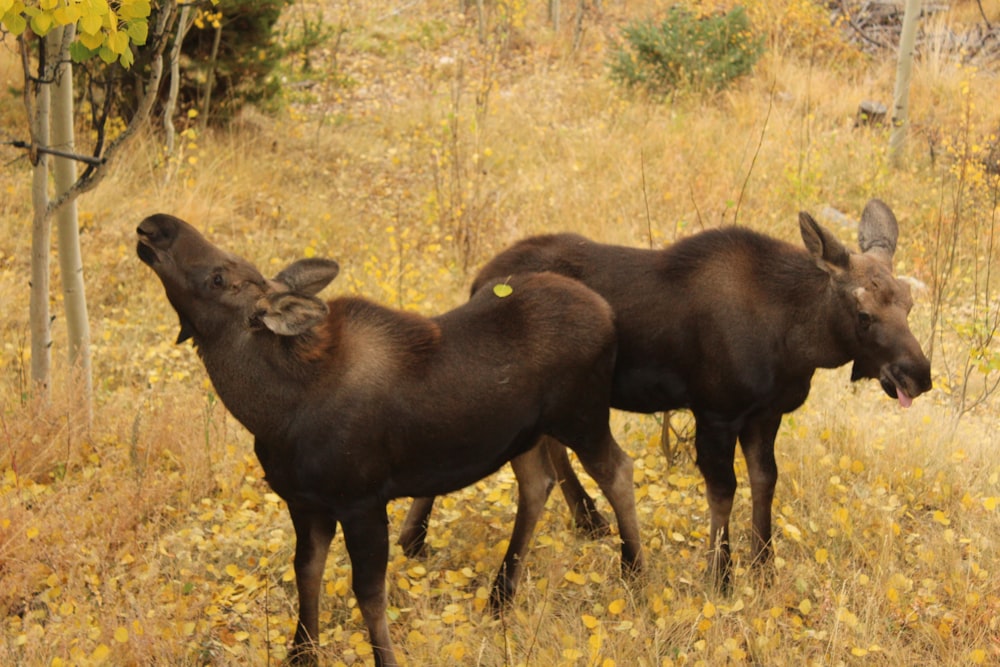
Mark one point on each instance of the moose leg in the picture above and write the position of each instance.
(366, 534)
(757, 441)
(313, 534)
(413, 534)
(715, 445)
(611, 468)
(586, 518)
(535, 480)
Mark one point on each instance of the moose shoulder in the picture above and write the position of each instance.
(732, 324)
(352, 404)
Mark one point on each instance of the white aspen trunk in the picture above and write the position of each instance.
(41, 231)
(67, 220)
(904, 69)
(213, 62)
(183, 24)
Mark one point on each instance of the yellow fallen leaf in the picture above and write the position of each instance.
(589, 622)
(575, 578)
(121, 635)
(617, 606)
(708, 611)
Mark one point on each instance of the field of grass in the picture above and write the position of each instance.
(411, 152)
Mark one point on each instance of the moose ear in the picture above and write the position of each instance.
(828, 253)
(308, 276)
(290, 313)
(878, 230)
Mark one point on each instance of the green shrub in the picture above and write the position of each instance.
(686, 51)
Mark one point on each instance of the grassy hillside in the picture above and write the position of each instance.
(410, 152)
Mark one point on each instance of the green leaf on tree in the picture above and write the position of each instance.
(126, 58)
(107, 55)
(138, 31)
(80, 53)
(41, 23)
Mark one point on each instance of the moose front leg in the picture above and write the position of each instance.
(535, 480)
(716, 449)
(313, 534)
(757, 441)
(366, 534)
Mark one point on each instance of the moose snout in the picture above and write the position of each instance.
(906, 380)
(157, 233)
(157, 230)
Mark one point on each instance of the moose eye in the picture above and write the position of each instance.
(865, 320)
(218, 280)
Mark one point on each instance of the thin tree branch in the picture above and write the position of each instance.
(87, 159)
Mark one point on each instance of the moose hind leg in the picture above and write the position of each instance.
(366, 534)
(611, 468)
(413, 534)
(535, 480)
(588, 521)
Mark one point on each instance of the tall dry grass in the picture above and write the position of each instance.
(151, 538)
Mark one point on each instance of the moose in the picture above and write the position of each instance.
(352, 404)
(731, 324)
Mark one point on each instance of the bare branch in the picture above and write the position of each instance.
(88, 159)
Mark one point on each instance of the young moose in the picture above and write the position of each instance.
(352, 404)
(732, 324)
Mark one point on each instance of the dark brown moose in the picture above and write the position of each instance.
(352, 404)
(732, 324)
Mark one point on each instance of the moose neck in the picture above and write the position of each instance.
(820, 329)
(258, 377)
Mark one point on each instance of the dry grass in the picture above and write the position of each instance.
(151, 538)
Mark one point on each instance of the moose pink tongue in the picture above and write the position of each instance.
(904, 400)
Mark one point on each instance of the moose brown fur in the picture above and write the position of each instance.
(352, 404)
(732, 324)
